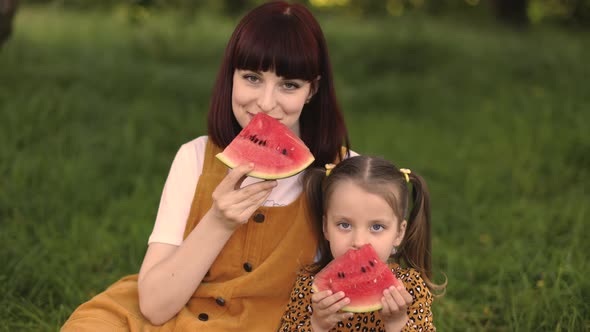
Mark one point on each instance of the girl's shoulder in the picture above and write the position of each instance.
(412, 280)
(307, 272)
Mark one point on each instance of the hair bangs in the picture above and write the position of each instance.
(289, 49)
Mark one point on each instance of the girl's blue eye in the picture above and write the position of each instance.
(344, 225)
(377, 227)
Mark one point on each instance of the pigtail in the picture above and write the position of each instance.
(313, 186)
(416, 249)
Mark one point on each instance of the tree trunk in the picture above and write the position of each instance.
(7, 10)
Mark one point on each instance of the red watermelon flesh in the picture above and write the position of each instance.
(361, 275)
(272, 147)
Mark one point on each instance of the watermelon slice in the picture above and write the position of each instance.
(273, 148)
(361, 275)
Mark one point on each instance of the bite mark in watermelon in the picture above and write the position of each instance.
(361, 275)
(272, 147)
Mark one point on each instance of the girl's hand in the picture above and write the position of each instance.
(395, 305)
(234, 205)
(326, 307)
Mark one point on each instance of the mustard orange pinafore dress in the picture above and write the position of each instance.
(247, 287)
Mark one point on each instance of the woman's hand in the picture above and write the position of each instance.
(395, 305)
(326, 307)
(234, 205)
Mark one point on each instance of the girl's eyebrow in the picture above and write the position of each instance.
(381, 221)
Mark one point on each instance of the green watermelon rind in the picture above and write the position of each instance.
(262, 175)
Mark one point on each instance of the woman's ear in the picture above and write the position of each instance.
(401, 233)
(324, 228)
(315, 85)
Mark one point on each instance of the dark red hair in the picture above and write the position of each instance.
(287, 39)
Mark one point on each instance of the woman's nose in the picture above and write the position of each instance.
(267, 100)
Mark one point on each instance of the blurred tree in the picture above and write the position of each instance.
(235, 7)
(581, 12)
(512, 11)
(7, 11)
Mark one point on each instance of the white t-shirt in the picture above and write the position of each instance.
(177, 196)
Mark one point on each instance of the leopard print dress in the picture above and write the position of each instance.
(299, 310)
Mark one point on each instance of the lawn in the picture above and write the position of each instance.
(93, 107)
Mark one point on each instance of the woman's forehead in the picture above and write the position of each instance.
(287, 50)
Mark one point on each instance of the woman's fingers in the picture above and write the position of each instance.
(246, 208)
(253, 188)
(234, 179)
(237, 204)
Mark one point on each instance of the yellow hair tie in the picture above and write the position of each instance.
(406, 173)
(329, 168)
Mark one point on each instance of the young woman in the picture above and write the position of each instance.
(225, 248)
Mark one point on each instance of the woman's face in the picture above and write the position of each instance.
(280, 98)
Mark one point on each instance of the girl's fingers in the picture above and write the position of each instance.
(338, 305)
(398, 298)
(385, 311)
(408, 299)
(388, 299)
(329, 301)
(342, 316)
(317, 297)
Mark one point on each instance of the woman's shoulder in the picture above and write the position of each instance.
(196, 145)
(189, 158)
(193, 150)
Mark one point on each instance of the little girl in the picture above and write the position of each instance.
(366, 200)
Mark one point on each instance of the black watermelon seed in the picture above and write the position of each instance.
(363, 269)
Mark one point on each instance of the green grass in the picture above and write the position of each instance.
(93, 108)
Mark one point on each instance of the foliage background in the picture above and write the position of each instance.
(94, 103)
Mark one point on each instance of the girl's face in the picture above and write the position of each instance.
(356, 217)
(281, 98)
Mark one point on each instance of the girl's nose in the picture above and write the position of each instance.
(358, 240)
(267, 100)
